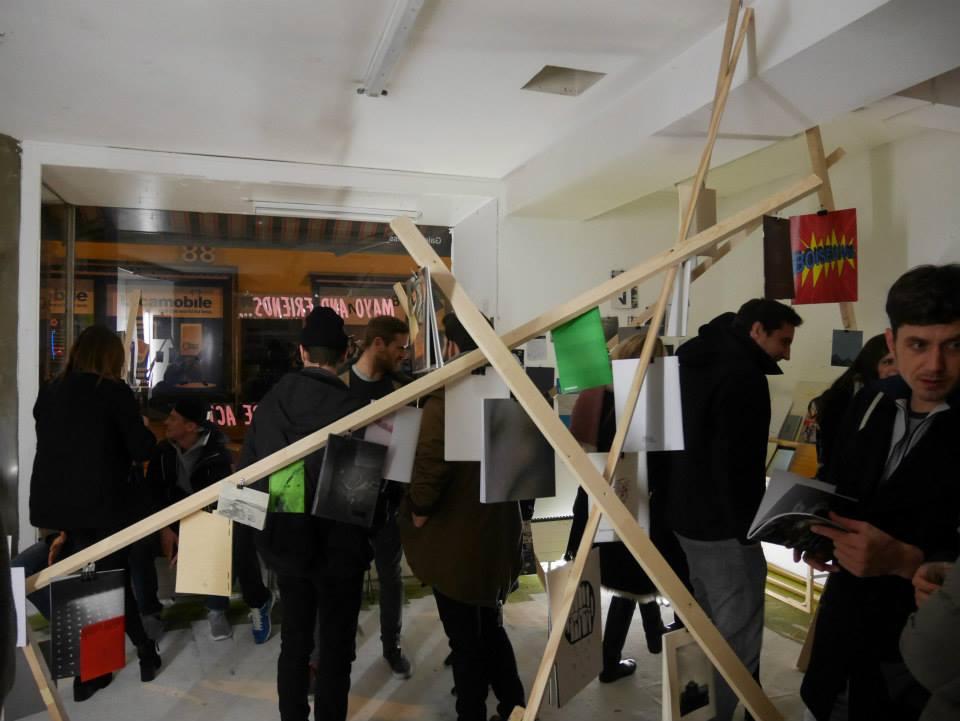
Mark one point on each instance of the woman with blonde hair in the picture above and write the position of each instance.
(90, 438)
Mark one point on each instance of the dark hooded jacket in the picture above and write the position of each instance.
(298, 543)
(718, 480)
(860, 619)
(213, 464)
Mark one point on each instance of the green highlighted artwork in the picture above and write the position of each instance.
(287, 489)
(582, 358)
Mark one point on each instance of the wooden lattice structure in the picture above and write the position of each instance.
(713, 243)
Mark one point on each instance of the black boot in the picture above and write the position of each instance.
(652, 625)
(615, 632)
(149, 656)
(82, 690)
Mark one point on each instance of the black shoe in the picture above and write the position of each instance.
(149, 656)
(448, 661)
(614, 673)
(398, 662)
(82, 690)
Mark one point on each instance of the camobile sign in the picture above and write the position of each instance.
(169, 301)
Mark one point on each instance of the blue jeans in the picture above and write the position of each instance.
(33, 560)
(728, 582)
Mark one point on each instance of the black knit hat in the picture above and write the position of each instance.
(323, 329)
(192, 409)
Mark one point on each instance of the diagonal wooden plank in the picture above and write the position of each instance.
(422, 386)
(45, 683)
(498, 354)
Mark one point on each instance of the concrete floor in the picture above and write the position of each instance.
(204, 680)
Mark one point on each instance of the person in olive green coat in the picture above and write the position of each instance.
(469, 553)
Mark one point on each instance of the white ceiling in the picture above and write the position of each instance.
(278, 81)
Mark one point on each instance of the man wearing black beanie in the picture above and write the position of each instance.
(319, 563)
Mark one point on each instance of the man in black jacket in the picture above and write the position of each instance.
(373, 376)
(319, 563)
(194, 456)
(898, 454)
(719, 478)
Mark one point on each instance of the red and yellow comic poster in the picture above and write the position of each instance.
(824, 250)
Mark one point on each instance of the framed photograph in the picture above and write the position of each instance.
(688, 679)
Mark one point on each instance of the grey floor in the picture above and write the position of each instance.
(205, 680)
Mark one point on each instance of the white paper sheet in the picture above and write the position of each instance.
(463, 418)
(18, 583)
(205, 556)
(243, 505)
(631, 486)
(657, 423)
(399, 432)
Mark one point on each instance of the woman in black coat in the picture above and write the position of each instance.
(90, 440)
(594, 424)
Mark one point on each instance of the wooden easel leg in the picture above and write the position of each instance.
(45, 684)
(804, 659)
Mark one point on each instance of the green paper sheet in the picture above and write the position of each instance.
(287, 489)
(582, 358)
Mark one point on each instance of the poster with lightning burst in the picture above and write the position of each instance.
(824, 255)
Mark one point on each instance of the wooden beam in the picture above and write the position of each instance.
(572, 455)
(45, 683)
(818, 161)
(428, 383)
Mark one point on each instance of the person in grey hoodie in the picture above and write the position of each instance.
(930, 642)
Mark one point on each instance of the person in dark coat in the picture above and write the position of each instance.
(319, 563)
(874, 362)
(594, 425)
(469, 553)
(373, 376)
(898, 455)
(720, 476)
(85, 482)
(193, 456)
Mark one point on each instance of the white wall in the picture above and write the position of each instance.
(905, 195)
(475, 245)
(924, 182)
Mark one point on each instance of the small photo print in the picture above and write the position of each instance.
(695, 674)
(846, 347)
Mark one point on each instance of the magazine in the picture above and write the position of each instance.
(791, 505)
(426, 350)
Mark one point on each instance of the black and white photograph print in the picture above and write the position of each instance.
(517, 460)
(243, 505)
(847, 345)
(688, 692)
(695, 674)
(350, 481)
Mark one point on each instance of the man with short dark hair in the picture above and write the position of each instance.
(898, 454)
(373, 376)
(319, 563)
(193, 456)
(720, 477)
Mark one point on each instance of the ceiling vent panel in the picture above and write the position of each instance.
(562, 81)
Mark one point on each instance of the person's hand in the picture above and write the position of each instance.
(55, 547)
(864, 550)
(817, 561)
(419, 521)
(168, 545)
(929, 578)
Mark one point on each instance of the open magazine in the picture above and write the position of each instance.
(427, 353)
(791, 505)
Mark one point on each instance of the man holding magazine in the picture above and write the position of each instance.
(898, 453)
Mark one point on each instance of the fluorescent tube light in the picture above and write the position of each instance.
(335, 212)
(392, 43)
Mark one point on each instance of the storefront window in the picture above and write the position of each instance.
(212, 304)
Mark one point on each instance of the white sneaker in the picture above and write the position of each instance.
(220, 628)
